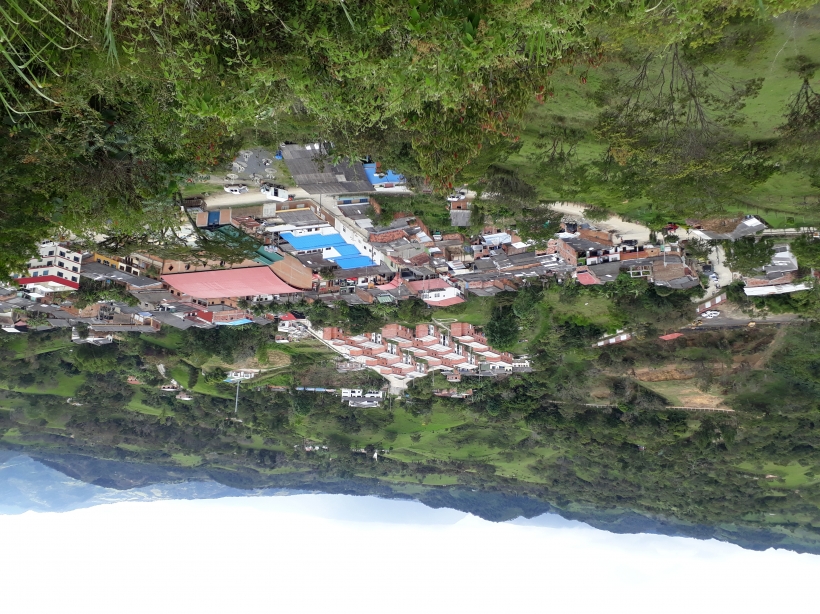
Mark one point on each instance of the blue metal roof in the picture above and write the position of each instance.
(315, 241)
(236, 322)
(346, 250)
(389, 176)
(349, 257)
(353, 262)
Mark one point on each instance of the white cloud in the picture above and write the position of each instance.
(349, 554)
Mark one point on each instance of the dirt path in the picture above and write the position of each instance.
(627, 230)
(773, 346)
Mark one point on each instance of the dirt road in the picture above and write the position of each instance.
(627, 230)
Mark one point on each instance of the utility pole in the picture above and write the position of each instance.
(236, 405)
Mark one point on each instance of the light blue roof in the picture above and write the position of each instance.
(353, 262)
(346, 250)
(314, 241)
(389, 176)
(236, 322)
(349, 258)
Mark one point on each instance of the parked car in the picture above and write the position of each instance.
(457, 196)
(236, 189)
(713, 313)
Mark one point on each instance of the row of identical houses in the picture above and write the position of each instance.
(457, 348)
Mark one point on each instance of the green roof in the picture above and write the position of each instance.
(266, 257)
(263, 256)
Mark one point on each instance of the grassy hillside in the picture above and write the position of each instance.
(750, 50)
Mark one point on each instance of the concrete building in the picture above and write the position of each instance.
(55, 269)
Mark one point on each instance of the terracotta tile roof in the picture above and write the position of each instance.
(228, 283)
(445, 302)
(428, 284)
(587, 279)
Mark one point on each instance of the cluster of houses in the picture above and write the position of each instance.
(341, 247)
(600, 256)
(325, 251)
(399, 353)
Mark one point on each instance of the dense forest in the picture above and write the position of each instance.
(108, 109)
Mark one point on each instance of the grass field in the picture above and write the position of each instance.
(137, 403)
(781, 200)
(23, 346)
(170, 338)
(65, 386)
(186, 460)
(792, 475)
(593, 308)
(446, 434)
(684, 393)
(476, 311)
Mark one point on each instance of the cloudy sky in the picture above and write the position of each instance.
(355, 554)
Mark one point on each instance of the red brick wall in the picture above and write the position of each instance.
(567, 252)
(391, 330)
(599, 236)
(759, 283)
(331, 332)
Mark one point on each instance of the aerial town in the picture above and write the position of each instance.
(317, 241)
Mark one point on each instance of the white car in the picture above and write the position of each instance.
(236, 189)
(710, 314)
(275, 192)
(457, 196)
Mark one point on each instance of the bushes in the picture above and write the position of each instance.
(193, 376)
(216, 375)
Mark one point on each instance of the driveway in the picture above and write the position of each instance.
(717, 257)
(253, 196)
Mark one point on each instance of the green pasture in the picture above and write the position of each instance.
(63, 386)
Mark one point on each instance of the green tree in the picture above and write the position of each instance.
(502, 329)
(96, 358)
(748, 255)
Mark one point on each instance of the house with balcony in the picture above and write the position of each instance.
(56, 268)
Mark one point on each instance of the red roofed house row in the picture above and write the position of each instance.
(403, 351)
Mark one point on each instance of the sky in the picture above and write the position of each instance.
(337, 553)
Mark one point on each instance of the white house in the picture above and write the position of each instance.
(55, 269)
